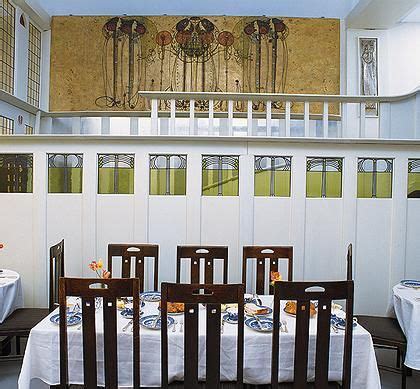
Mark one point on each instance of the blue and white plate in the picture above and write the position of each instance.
(340, 323)
(230, 318)
(129, 312)
(265, 324)
(151, 323)
(72, 320)
(410, 283)
(151, 296)
(269, 311)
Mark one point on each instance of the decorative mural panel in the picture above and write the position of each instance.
(374, 178)
(65, 173)
(168, 174)
(272, 176)
(324, 177)
(368, 51)
(115, 174)
(220, 175)
(16, 173)
(413, 179)
(102, 62)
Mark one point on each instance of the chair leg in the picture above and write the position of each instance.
(17, 345)
(409, 372)
(398, 364)
(404, 377)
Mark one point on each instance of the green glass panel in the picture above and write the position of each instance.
(56, 182)
(364, 185)
(178, 181)
(384, 185)
(230, 182)
(157, 181)
(413, 185)
(313, 184)
(125, 181)
(29, 181)
(262, 182)
(333, 184)
(210, 182)
(282, 183)
(106, 180)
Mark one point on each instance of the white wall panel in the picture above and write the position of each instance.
(412, 264)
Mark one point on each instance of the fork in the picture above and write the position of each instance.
(174, 326)
(284, 324)
(127, 325)
(181, 327)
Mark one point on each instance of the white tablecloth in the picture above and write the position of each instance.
(11, 296)
(407, 309)
(41, 356)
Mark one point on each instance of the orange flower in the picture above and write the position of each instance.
(106, 274)
(100, 264)
(93, 266)
(275, 276)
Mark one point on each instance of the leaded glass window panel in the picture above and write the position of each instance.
(324, 177)
(220, 175)
(413, 179)
(374, 178)
(16, 173)
(65, 173)
(272, 176)
(7, 46)
(34, 65)
(6, 125)
(115, 174)
(168, 174)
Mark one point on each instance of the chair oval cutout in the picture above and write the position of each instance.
(267, 251)
(202, 251)
(133, 249)
(315, 289)
(98, 285)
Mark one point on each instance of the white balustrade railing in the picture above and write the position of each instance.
(247, 115)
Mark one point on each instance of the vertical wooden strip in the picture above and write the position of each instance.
(140, 270)
(306, 118)
(275, 339)
(274, 266)
(226, 267)
(178, 264)
(110, 342)
(240, 344)
(191, 346)
(208, 270)
(195, 270)
(136, 334)
(63, 334)
(89, 342)
(260, 276)
(156, 269)
(164, 337)
(348, 337)
(322, 344)
(213, 346)
(301, 344)
(325, 119)
(244, 268)
(287, 118)
(126, 265)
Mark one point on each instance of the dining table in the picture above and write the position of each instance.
(11, 295)
(406, 304)
(41, 359)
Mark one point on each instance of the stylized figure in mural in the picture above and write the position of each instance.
(128, 45)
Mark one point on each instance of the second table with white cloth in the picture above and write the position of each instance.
(42, 353)
(11, 295)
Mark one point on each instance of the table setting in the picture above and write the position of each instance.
(406, 304)
(11, 295)
(44, 340)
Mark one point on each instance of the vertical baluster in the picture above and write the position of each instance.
(306, 118)
(287, 118)
(134, 125)
(76, 125)
(211, 117)
(192, 112)
(37, 126)
(325, 120)
(105, 125)
(268, 118)
(172, 118)
(249, 117)
(154, 117)
(362, 126)
(230, 117)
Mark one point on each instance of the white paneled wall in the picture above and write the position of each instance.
(384, 231)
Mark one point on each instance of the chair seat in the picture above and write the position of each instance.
(21, 321)
(384, 329)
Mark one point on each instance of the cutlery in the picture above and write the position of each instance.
(174, 326)
(284, 324)
(181, 327)
(127, 325)
(257, 299)
(156, 320)
(258, 321)
(334, 329)
(222, 327)
(79, 327)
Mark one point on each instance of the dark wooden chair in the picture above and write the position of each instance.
(195, 254)
(213, 296)
(261, 254)
(56, 271)
(85, 289)
(303, 293)
(138, 253)
(350, 262)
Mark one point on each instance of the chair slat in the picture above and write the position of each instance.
(89, 342)
(110, 346)
(56, 271)
(213, 346)
(301, 344)
(323, 344)
(191, 346)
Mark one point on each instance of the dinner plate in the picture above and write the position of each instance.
(151, 323)
(340, 322)
(72, 320)
(410, 283)
(264, 324)
(151, 296)
(231, 319)
(128, 313)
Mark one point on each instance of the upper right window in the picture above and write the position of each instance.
(413, 190)
(374, 178)
(34, 65)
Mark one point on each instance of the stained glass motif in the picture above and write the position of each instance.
(65, 173)
(272, 176)
(413, 191)
(7, 46)
(34, 65)
(16, 173)
(168, 174)
(115, 174)
(220, 175)
(323, 177)
(6, 125)
(374, 178)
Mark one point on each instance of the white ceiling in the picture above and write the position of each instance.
(413, 16)
(302, 8)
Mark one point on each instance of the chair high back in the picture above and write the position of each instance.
(138, 253)
(350, 262)
(213, 296)
(56, 271)
(206, 253)
(274, 254)
(304, 293)
(111, 290)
